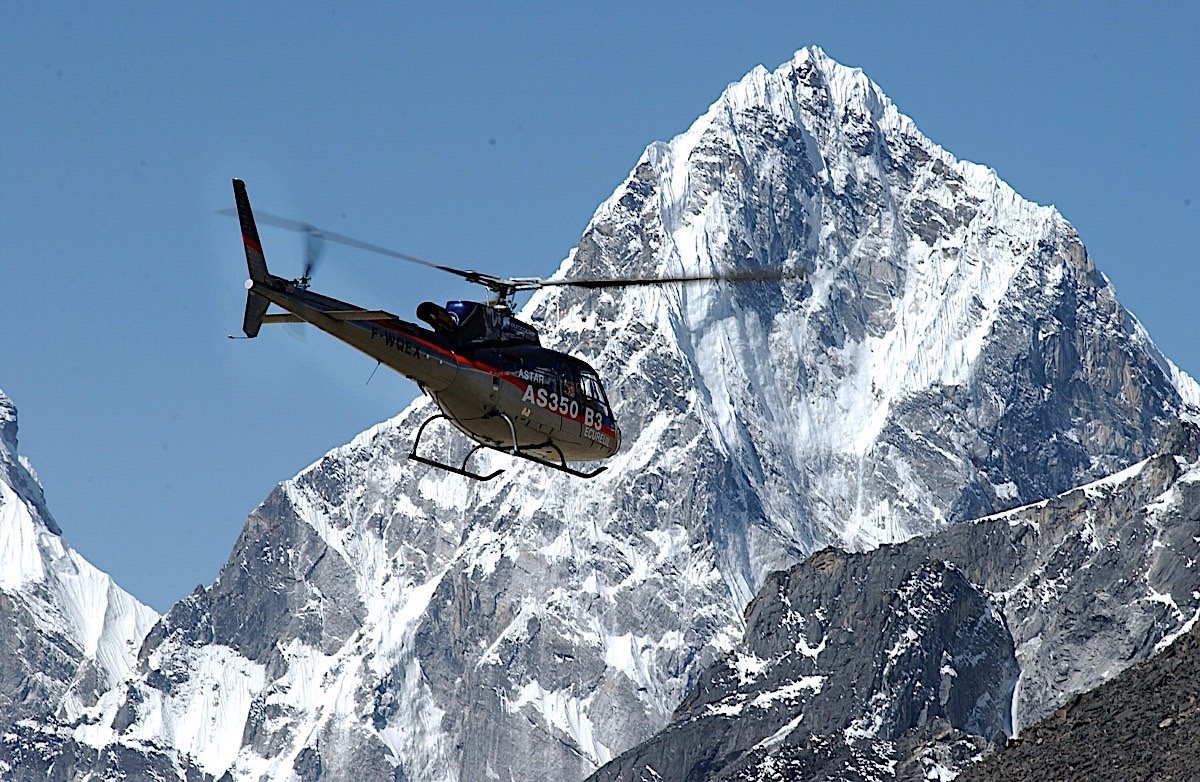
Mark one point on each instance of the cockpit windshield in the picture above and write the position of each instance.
(593, 391)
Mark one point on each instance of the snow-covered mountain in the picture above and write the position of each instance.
(949, 351)
(68, 632)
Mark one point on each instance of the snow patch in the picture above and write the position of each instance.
(563, 711)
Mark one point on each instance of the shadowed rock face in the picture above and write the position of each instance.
(842, 649)
(29, 753)
(1144, 724)
(942, 349)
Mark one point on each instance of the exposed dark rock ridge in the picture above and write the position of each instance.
(903, 661)
(32, 753)
(1142, 725)
(17, 473)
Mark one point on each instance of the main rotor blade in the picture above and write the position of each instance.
(332, 236)
(745, 275)
(505, 287)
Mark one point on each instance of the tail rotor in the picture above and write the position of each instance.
(314, 248)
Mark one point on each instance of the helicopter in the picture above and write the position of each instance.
(485, 369)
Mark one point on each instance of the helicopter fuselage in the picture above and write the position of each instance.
(506, 393)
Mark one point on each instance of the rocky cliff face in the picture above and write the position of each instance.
(906, 661)
(1144, 724)
(949, 351)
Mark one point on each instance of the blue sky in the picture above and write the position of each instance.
(477, 134)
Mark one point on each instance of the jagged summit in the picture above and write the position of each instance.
(21, 481)
(8, 423)
(919, 265)
(951, 352)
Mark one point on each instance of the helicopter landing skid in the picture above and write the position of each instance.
(461, 469)
(514, 451)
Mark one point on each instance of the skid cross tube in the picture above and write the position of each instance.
(562, 460)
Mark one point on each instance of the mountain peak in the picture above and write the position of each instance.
(8, 424)
(917, 268)
(19, 477)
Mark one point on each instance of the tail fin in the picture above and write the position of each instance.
(256, 305)
(254, 254)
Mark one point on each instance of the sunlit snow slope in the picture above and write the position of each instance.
(67, 632)
(944, 350)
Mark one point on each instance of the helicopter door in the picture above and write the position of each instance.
(572, 401)
(594, 402)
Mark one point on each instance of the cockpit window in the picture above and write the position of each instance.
(593, 391)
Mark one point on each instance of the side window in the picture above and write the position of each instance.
(594, 393)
